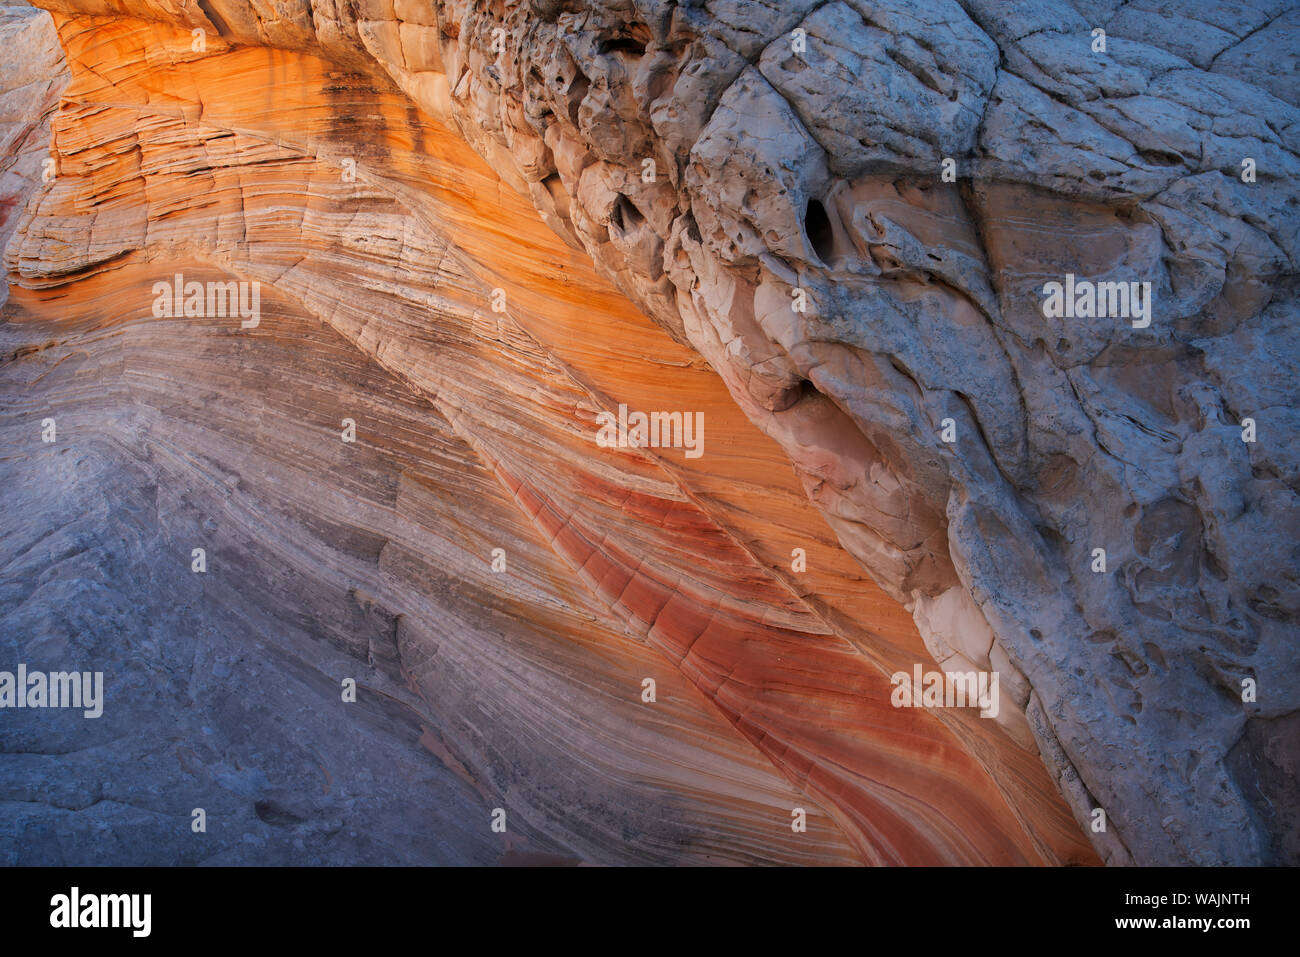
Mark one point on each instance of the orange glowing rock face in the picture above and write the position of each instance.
(773, 684)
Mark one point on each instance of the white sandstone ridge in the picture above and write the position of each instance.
(640, 430)
(211, 300)
(1084, 299)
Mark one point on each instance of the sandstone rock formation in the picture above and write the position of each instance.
(33, 72)
(830, 226)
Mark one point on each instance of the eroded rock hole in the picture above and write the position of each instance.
(625, 217)
(633, 42)
(577, 92)
(272, 813)
(818, 227)
(1160, 158)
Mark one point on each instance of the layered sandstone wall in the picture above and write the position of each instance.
(765, 184)
(33, 71)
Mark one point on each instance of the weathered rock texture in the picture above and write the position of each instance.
(718, 162)
(32, 72)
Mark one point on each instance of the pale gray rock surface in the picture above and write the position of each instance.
(821, 171)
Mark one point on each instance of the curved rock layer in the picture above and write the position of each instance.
(764, 185)
(385, 545)
(32, 72)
